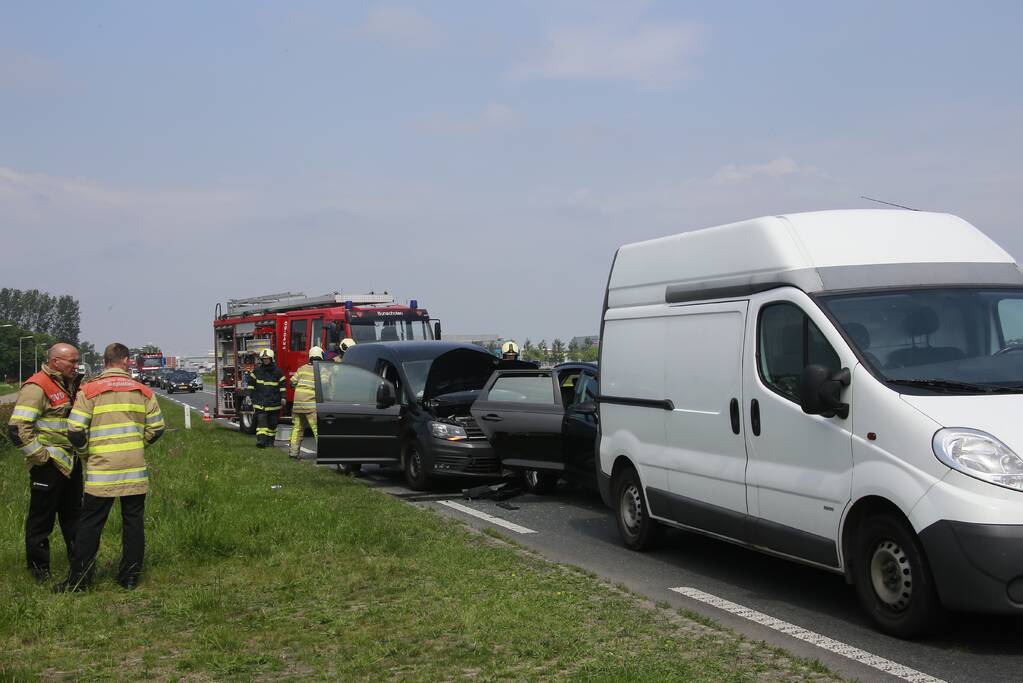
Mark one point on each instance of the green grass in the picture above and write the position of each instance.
(7, 388)
(258, 567)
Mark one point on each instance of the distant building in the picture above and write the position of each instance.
(586, 342)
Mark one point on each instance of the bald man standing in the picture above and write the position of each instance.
(38, 427)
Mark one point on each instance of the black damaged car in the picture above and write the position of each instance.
(406, 404)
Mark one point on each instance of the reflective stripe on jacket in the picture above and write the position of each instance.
(38, 424)
(305, 390)
(266, 387)
(113, 419)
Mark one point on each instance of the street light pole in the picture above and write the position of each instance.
(19, 356)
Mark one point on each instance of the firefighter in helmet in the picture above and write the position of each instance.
(509, 351)
(265, 387)
(303, 411)
(346, 344)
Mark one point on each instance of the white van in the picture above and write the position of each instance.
(842, 388)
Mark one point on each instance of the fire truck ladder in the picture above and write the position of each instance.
(288, 301)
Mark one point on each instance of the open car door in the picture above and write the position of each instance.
(358, 416)
(521, 414)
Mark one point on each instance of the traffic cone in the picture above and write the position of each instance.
(206, 414)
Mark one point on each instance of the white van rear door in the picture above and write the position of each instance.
(707, 451)
(799, 476)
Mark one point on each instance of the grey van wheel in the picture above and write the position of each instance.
(637, 529)
(893, 581)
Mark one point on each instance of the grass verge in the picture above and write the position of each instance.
(7, 389)
(259, 567)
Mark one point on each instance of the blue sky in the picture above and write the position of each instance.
(484, 158)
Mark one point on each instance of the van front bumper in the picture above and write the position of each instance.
(461, 458)
(976, 567)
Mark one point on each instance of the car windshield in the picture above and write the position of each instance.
(416, 371)
(390, 330)
(183, 376)
(967, 338)
(152, 363)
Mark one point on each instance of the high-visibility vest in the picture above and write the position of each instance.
(113, 419)
(305, 390)
(48, 422)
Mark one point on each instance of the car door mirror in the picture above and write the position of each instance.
(387, 396)
(820, 391)
(436, 329)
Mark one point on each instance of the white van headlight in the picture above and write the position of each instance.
(979, 455)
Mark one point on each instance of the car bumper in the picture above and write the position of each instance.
(976, 567)
(461, 459)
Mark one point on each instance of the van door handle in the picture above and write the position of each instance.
(733, 409)
(491, 417)
(754, 416)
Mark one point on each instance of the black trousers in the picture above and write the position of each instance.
(266, 426)
(53, 497)
(90, 527)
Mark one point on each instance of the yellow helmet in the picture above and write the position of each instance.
(510, 347)
(347, 343)
(316, 352)
(267, 353)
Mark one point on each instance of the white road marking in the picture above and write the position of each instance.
(306, 450)
(839, 648)
(485, 517)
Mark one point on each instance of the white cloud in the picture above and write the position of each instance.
(776, 168)
(650, 55)
(402, 27)
(493, 118)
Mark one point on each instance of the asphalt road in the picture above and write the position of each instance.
(574, 527)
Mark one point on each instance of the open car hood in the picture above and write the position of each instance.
(458, 370)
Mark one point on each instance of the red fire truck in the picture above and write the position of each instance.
(291, 324)
(149, 366)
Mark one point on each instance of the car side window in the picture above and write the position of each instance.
(787, 342)
(522, 389)
(340, 383)
(390, 373)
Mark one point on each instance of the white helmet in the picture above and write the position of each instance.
(510, 347)
(347, 343)
(316, 352)
(267, 353)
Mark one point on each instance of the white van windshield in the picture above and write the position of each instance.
(962, 339)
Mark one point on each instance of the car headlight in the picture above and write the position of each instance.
(979, 455)
(448, 432)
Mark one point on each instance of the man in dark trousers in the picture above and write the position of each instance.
(113, 419)
(38, 427)
(266, 388)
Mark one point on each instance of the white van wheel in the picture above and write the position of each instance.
(637, 529)
(893, 581)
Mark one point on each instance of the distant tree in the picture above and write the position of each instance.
(66, 320)
(573, 350)
(557, 351)
(89, 355)
(150, 348)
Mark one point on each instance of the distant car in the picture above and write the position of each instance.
(160, 377)
(182, 380)
(543, 423)
(406, 403)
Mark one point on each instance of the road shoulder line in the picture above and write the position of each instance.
(854, 653)
(511, 526)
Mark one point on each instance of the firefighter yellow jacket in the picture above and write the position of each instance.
(38, 425)
(305, 389)
(113, 419)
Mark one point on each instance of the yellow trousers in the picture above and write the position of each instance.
(298, 424)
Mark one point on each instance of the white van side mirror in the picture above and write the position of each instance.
(820, 391)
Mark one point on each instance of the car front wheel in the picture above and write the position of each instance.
(415, 470)
(892, 578)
